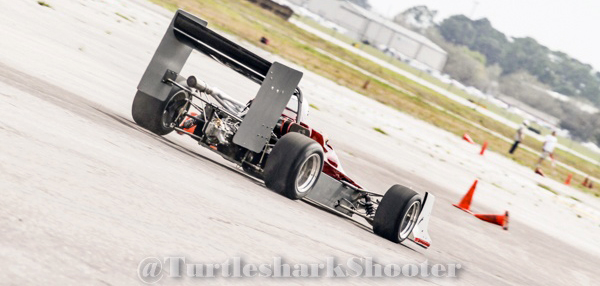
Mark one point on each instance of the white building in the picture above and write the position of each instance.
(365, 25)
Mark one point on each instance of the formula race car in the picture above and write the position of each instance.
(267, 137)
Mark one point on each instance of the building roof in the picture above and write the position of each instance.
(393, 26)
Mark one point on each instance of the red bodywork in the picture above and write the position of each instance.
(331, 164)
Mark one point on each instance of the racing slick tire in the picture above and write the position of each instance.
(397, 213)
(294, 165)
(157, 115)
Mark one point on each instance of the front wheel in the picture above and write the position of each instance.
(397, 214)
(294, 166)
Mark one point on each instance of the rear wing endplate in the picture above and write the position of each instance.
(267, 106)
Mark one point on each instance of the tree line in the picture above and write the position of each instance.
(558, 70)
(481, 56)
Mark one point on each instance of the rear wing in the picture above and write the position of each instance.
(186, 33)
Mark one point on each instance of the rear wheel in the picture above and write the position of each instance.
(157, 115)
(294, 166)
(397, 214)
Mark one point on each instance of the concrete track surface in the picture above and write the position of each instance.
(87, 194)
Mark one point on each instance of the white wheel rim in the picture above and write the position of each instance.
(309, 171)
(409, 221)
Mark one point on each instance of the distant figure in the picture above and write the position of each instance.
(548, 148)
(519, 137)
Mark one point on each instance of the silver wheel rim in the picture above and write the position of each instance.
(309, 171)
(179, 112)
(409, 220)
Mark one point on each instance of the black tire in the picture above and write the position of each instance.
(293, 154)
(392, 219)
(156, 115)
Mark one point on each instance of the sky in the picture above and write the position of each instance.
(570, 26)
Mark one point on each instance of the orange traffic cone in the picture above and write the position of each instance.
(465, 203)
(467, 138)
(539, 172)
(483, 148)
(568, 180)
(501, 220)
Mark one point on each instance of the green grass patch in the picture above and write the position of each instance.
(547, 188)
(380, 130)
(123, 16)
(44, 4)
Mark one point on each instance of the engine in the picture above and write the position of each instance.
(220, 131)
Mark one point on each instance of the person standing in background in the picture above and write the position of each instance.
(519, 137)
(547, 148)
